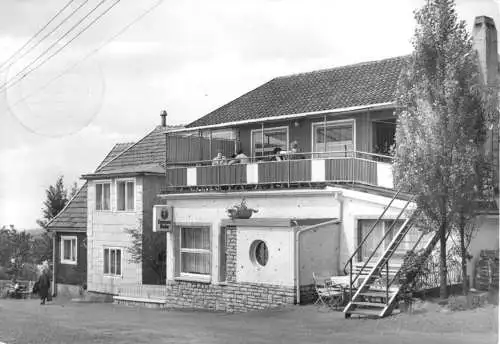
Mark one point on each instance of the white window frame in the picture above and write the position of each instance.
(287, 128)
(125, 180)
(340, 122)
(384, 231)
(109, 274)
(75, 250)
(102, 182)
(191, 276)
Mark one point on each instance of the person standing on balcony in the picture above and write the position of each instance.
(219, 159)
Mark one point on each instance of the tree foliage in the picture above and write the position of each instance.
(56, 199)
(148, 249)
(442, 122)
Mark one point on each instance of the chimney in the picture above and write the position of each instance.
(163, 116)
(484, 36)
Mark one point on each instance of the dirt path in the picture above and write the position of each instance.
(72, 323)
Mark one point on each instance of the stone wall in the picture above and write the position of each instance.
(226, 296)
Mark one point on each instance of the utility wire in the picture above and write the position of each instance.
(76, 64)
(4, 65)
(8, 84)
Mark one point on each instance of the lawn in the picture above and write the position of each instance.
(25, 321)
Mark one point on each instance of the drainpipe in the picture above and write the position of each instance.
(298, 233)
(54, 263)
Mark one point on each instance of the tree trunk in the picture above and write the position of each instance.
(463, 253)
(443, 285)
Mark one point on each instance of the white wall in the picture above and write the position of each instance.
(319, 252)
(106, 229)
(210, 209)
(360, 205)
(280, 266)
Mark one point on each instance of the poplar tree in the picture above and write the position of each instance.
(442, 123)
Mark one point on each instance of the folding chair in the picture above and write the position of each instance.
(329, 294)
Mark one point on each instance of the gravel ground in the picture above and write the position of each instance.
(25, 321)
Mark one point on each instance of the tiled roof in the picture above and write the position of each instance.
(117, 149)
(360, 84)
(150, 150)
(74, 215)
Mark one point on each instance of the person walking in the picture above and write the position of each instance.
(44, 285)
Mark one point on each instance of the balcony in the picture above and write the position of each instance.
(355, 168)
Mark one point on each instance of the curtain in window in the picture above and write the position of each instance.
(98, 196)
(67, 249)
(118, 263)
(107, 196)
(106, 261)
(130, 195)
(372, 240)
(195, 250)
(121, 195)
(113, 262)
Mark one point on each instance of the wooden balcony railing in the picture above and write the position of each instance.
(351, 169)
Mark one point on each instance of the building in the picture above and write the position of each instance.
(316, 207)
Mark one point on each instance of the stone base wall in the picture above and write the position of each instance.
(230, 297)
(68, 290)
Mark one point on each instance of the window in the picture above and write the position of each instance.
(113, 261)
(194, 251)
(273, 138)
(125, 195)
(102, 196)
(334, 138)
(375, 236)
(259, 254)
(68, 250)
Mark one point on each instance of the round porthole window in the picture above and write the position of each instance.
(259, 253)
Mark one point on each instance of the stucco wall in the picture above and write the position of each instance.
(106, 229)
(280, 266)
(210, 209)
(319, 252)
(360, 205)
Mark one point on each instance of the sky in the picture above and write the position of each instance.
(187, 57)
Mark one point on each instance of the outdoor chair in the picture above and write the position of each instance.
(328, 293)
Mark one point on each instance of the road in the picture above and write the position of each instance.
(25, 321)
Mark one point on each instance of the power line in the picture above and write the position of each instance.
(76, 64)
(5, 65)
(6, 84)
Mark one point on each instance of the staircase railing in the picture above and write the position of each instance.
(349, 261)
(382, 240)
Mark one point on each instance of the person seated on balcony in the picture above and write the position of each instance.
(241, 157)
(294, 152)
(277, 154)
(219, 159)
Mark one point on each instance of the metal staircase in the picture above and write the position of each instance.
(374, 281)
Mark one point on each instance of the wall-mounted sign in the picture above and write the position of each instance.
(162, 218)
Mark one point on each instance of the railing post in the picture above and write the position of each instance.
(387, 282)
(289, 171)
(350, 280)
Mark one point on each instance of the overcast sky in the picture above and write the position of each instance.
(188, 57)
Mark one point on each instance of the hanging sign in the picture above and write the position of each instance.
(162, 218)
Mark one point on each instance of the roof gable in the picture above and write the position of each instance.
(115, 151)
(74, 214)
(148, 151)
(360, 84)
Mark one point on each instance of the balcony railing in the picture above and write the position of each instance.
(359, 168)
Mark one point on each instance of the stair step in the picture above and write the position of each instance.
(376, 294)
(372, 313)
(369, 304)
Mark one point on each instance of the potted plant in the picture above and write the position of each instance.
(241, 211)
